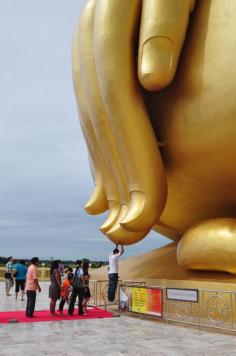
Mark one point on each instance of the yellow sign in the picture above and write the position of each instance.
(147, 301)
(139, 300)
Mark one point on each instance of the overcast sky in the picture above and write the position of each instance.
(44, 173)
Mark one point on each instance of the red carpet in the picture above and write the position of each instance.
(44, 315)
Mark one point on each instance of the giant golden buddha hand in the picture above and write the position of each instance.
(195, 120)
(178, 132)
(128, 168)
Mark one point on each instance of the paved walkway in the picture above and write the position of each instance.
(115, 336)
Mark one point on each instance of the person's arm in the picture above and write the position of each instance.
(82, 276)
(37, 285)
(58, 278)
(36, 282)
(86, 279)
(121, 250)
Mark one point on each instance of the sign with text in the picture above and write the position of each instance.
(147, 301)
(185, 295)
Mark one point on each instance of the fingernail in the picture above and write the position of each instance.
(156, 60)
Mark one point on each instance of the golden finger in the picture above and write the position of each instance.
(136, 142)
(162, 33)
(100, 120)
(104, 176)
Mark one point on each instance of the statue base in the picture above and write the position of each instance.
(159, 267)
(213, 305)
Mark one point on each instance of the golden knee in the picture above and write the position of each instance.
(209, 245)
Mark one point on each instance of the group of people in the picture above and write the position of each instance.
(63, 281)
(17, 271)
(62, 284)
(77, 283)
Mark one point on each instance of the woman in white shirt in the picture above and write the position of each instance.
(8, 275)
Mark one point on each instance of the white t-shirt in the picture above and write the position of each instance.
(113, 263)
(9, 266)
(80, 272)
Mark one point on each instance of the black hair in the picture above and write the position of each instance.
(115, 251)
(85, 265)
(70, 276)
(54, 265)
(78, 262)
(9, 258)
(22, 262)
(34, 260)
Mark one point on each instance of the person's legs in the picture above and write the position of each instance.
(85, 302)
(61, 305)
(33, 302)
(109, 287)
(87, 296)
(8, 286)
(72, 300)
(17, 287)
(11, 283)
(27, 303)
(31, 299)
(110, 276)
(113, 280)
(22, 287)
(81, 296)
(52, 306)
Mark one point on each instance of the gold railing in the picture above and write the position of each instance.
(99, 291)
(213, 309)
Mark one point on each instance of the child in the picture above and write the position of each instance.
(65, 291)
(68, 269)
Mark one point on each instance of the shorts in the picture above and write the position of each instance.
(9, 283)
(87, 293)
(20, 284)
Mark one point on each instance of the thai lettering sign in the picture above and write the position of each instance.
(147, 301)
(186, 295)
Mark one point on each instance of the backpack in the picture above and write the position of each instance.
(77, 281)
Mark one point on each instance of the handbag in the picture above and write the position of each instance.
(7, 275)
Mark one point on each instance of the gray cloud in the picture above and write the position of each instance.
(45, 178)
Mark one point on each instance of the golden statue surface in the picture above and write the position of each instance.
(155, 82)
